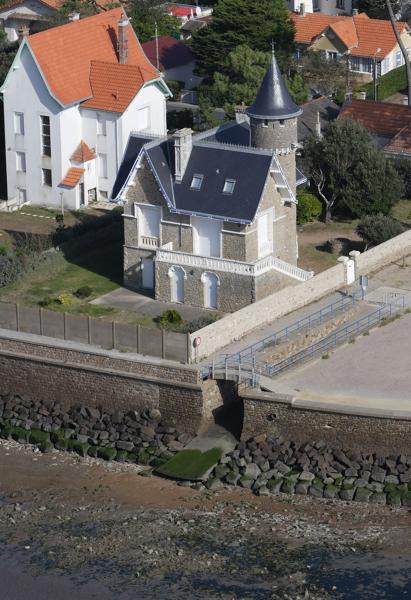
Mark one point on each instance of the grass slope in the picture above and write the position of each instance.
(190, 464)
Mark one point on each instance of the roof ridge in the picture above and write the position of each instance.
(233, 147)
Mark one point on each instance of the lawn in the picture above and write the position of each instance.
(313, 255)
(99, 268)
(402, 212)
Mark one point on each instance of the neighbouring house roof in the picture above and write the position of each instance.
(273, 99)
(327, 109)
(80, 58)
(359, 33)
(56, 4)
(171, 52)
(82, 153)
(193, 25)
(390, 123)
(72, 177)
(216, 162)
(181, 11)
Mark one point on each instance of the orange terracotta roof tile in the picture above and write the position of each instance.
(370, 33)
(72, 177)
(400, 143)
(114, 86)
(380, 118)
(65, 54)
(82, 153)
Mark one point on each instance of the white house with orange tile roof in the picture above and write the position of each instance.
(72, 97)
(356, 38)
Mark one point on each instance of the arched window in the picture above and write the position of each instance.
(177, 276)
(210, 284)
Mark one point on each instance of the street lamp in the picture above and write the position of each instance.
(374, 77)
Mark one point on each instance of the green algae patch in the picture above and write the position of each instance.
(191, 464)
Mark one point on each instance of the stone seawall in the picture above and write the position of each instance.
(57, 371)
(265, 415)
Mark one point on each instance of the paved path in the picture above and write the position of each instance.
(375, 371)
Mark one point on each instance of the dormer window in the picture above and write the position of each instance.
(196, 182)
(229, 186)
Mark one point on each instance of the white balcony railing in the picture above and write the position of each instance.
(260, 267)
(149, 241)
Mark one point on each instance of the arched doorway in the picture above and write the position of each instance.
(211, 283)
(177, 276)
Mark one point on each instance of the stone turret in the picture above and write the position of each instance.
(273, 120)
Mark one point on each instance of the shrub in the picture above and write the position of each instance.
(78, 447)
(64, 299)
(170, 317)
(388, 84)
(3, 251)
(200, 322)
(47, 301)
(309, 208)
(92, 451)
(19, 434)
(376, 229)
(46, 447)
(10, 269)
(175, 88)
(83, 292)
(403, 168)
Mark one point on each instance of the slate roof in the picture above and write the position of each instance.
(273, 100)
(306, 123)
(216, 162)
(172, 53)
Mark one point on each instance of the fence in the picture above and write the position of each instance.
(249, 371)
(96, 332)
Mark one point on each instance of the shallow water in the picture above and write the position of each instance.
(348, 576)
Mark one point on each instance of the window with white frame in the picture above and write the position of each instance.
(21, 161)
(398, 58)
(265, 233)
(19, 123)
(102, 165)
(45, 135)
(229, 186)
(197, 182)
(101, 125)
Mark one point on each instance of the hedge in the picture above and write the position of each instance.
(387, 85)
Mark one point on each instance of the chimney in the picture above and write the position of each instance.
(318, 126)
(363, 95)
(302, 9)
(355, 12)
(183, 143)
(122, 44)
(348, 98)
(74, 16)
(405, 100)
(23, 32)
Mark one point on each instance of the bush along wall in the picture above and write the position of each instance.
(272, 465)
(132, 437)
(392, 82)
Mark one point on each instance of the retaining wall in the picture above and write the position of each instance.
(346, 428)
(237, 325)
(52, 370)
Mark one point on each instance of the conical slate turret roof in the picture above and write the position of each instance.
(273, 100)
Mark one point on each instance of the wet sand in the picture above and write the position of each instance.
(94, 529)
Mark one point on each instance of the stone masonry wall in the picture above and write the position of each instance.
(262, 415)
(54, 373)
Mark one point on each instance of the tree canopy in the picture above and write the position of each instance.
(243, 22)
(377, 9)
(349, 172)
(144, 15)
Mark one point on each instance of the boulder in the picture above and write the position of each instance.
(252, 471)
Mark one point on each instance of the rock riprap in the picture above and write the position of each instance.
(139, 437)
(272, 465)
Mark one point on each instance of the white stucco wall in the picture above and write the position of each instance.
(26, 92)
(327, 7)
